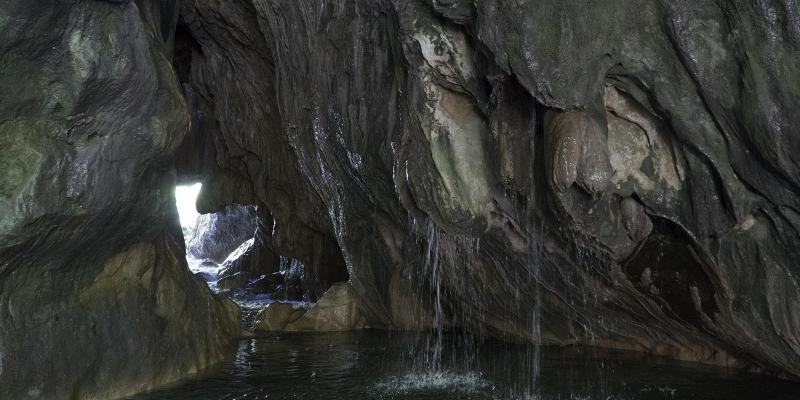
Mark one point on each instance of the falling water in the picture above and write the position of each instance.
(534, 251)
(534, 259)
(449, 365)
(433, 268)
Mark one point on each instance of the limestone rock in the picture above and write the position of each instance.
(414, 148)
(336, 311)
(275, 317)
(424, 153)
(97, 298)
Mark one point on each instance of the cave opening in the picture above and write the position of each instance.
(185, 198)
(231, 251)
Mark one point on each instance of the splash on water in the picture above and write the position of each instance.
(446, 381)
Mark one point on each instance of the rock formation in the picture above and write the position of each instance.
(616, 174)
(336, 311)
(632, 175)
(96, 301)
(216, 235)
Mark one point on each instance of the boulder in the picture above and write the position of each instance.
(236, 281)
(216, 235)
(337, 310)
(254, 257)
(275, 317)
(266, 283)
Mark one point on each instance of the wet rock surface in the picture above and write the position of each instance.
(531, 148)
(575, 173)
(336, 311)
(255, 257)
(96, 301)
(275, 317)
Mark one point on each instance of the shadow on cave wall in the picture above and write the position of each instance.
(666, 267)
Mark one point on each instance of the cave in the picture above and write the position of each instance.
(397, 199)
(233, 251)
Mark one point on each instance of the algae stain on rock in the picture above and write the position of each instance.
(19, 163)
(459, 140)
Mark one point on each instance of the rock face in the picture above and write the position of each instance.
(217, 235)
(275, 317)
(255, 257)
(616, 179)
(96, 301)
(336, 311)
(573, 173)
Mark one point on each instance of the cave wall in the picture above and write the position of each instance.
(535, 170)
(96, 301)
(626, 180)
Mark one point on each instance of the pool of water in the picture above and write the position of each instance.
(399, 366)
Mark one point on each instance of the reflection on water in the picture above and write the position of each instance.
(385, 366)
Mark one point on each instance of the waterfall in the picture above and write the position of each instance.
(433, 269)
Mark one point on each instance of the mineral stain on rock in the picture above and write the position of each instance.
(562, 172)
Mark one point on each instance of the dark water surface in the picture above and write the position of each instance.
(396, 366)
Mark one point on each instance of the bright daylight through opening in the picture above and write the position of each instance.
(185, 198)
